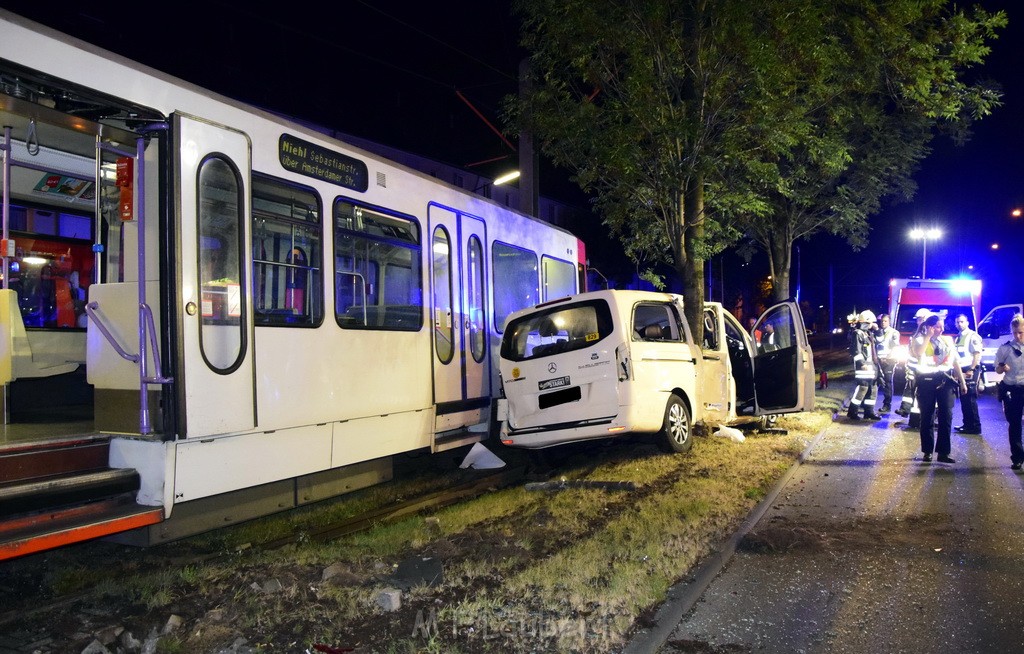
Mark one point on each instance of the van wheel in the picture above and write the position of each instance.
(676, 430)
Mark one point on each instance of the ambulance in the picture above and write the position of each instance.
(949, 296)
(952, 296)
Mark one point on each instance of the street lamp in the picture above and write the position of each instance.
(502, 179)
(929, 234)
(506, 178)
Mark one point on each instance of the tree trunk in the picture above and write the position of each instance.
(779, 260)
(691, 266)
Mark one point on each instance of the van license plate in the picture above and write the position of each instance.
(548, 384)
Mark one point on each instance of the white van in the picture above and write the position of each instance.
(605, 363)
(994, 330)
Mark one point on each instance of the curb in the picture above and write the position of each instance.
(683, 595)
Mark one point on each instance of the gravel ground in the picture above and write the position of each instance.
(869, 549)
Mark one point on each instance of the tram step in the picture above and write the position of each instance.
(27, 496)
(29, 461)
(46, 530)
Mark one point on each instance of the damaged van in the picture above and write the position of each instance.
(605, 363)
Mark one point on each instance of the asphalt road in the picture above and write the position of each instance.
(867, 548)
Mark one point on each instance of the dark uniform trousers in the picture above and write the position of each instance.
(1013, 409)
(933, 391)
(969, 404)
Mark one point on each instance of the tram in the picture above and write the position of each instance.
(210, 313)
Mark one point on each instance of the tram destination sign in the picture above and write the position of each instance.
(320, 163)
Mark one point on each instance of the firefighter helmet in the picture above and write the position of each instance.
(866, 316)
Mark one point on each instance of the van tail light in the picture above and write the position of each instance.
(622, 362)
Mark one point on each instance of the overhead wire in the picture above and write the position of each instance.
(277, 23)
(437, 40)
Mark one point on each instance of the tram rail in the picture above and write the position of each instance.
(429, 501)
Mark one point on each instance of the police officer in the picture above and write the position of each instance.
(865, 368)
(908, 405)
(968, 351)
(886, 341)
(938, 376)
(1010, 364)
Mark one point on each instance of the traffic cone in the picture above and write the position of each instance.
(823, 380)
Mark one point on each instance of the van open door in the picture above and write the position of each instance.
(717, 388)
(783, 363)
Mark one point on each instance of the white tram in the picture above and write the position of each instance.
(264, 315)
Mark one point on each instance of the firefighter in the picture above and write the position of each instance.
(908, 405)
(865, 368)
(968, 351)
(886, 341)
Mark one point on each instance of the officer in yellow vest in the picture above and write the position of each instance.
(938, 376)
(908, 406)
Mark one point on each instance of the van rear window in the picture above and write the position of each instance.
(561, 328)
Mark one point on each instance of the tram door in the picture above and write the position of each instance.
(457, 274)
(215, 312)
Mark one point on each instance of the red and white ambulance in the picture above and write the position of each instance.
(952, 296)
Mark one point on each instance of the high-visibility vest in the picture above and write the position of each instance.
(968, 343)
(935, 359)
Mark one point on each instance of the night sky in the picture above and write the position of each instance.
(395, 75)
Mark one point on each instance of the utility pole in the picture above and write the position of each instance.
(528, 160)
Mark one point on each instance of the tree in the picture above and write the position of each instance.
(897, 80)
(649, 103)
(693, 120)
(874, 159)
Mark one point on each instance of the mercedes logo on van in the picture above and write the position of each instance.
(552, 368)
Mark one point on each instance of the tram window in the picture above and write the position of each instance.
(514, 271)
(45, 222)
(72, 226)
(475, 297)
(18, 218)
(378, 280)
(559, 278)
(287, 254)
(441, 252)
(221, 205)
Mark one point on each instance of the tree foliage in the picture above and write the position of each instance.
(692, 121)
(655, 106)
(897, 77)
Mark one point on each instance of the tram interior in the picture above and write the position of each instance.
(49, 275)
(50, 137)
